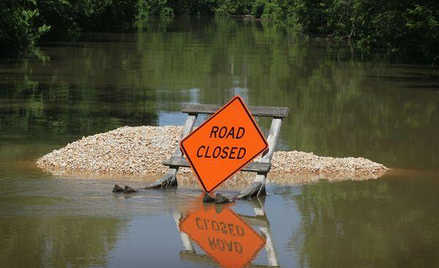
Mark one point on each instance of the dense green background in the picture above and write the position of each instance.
(401, 27)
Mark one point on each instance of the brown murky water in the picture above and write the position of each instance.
(342, 104)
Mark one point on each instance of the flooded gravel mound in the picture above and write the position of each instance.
(126, 150)
(141, 150)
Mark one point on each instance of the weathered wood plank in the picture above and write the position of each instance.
(251, 167)
(264, 111)
(187, 128)
(170, 178)
(273, 136)
(260, 221)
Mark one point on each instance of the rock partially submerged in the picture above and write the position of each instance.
(117, 189)
(141, 150)
(221, 199)
(207, 198)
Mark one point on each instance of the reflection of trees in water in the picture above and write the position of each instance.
(57, 242)
(375, 223)
(340, 110)
(340, 105)
(73, 110)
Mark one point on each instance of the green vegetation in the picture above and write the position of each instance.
(340, 105)
(25, 22)
(18, 26)
(409, 27)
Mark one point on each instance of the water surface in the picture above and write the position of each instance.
(341, 104)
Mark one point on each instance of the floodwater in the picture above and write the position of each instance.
(342, 103)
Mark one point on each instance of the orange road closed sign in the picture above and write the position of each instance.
(224, 236)
(223, 144)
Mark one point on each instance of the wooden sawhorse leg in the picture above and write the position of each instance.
(170, 178)
(257, 188)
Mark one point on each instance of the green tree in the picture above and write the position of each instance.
(18, 27)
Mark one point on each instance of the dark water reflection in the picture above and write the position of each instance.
(224, 237)
(341, 105)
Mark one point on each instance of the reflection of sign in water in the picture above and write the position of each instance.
(224, 236)
(223, 144)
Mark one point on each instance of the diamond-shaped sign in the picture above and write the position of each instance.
(223, 235)
(223, 144)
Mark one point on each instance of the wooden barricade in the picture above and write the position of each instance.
(261, 167)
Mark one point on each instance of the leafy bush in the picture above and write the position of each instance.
(70, 17)
(258, 8)
(235, 7)
(401, 26)
(18, 27)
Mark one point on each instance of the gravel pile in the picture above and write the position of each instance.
(309, 163)
(141, 150)
(126, 150)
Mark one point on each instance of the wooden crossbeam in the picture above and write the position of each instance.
(261, 166)
(262, 111)
(251, 167)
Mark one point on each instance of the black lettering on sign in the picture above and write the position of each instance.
(212, 242)
(239, 230)
(231, 133)
(222, 132)
(207, 152)
(240, 133)
(215, 226)
(224, 245)
(223, 227)
(221, 152)
(241, 153)
(231, 229)
(238, 247)
(214, 131)
(225, 152)
(232, 152)
(199, 221)
(199, 155)
(206, 223)
(225, 132)
(220, 244)
(216, 152)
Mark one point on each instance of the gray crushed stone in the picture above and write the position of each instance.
(141, 150)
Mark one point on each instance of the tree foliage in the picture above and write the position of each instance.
(406, 27)
(18, 26)
(402, 26)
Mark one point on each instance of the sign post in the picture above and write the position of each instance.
(223, 144)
